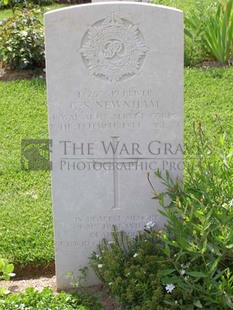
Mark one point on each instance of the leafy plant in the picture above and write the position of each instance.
(199, 227)
(218, 35)
(213, 31)
(129, 269)
(23, 3)
(22, 40)
(6, 269)
(32, 299)
(77, 281)
(188, 265)
(6, 272)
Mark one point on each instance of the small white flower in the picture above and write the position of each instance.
(135, 255)
(186, 278)
(111, 242)
(231, 203)
(182, 272)
(110, 283)
(100, 265)
(169, 287)
(150, 225)
(176, 302)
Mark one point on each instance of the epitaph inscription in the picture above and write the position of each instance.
(113, 49)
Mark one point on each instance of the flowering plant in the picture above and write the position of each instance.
(199, 227)
(188, 265)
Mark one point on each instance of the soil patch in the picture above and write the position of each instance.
(13, 75)
(213, 64)
(34, 271)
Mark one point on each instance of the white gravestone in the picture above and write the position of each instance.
(147, 1)
(115, 96)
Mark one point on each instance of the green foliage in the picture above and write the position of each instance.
(194, 53)
(23, 3)
(189, 264)
(34, 300)
(6, 272)
(212, 31)
(6, 269)
(7, 13)
(22, 40)
(199, 227)
(218, 34)
(77, 281)
(129, 269)
(195, 14)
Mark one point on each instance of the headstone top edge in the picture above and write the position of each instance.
(112, 3)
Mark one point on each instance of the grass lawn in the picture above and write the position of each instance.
(185, 5)
(26, 232)
(25, 211)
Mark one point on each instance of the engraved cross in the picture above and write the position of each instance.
(115, 161)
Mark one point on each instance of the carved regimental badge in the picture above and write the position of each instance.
(113, 49)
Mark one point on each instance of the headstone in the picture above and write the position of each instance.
(115, 97)
(93, 1)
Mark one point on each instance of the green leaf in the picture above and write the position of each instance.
(165, 272)
(172, 280)
(9, 268)
(198, 304)
(196, 274)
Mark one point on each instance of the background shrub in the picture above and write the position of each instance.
(23, 3)
(22, 40)
(210, 31)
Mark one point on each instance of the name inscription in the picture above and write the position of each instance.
(114, 109)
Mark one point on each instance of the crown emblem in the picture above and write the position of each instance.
(113, 49)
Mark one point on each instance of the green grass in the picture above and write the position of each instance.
(25, 206)
(208, 99)
(186, 5)
(26, 232)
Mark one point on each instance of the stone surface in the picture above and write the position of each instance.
(115, 96)
(147, 1)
